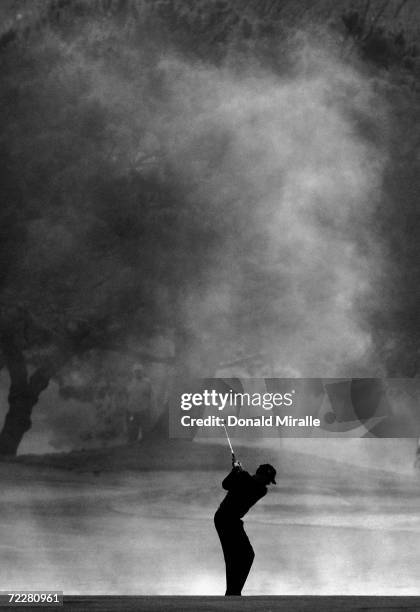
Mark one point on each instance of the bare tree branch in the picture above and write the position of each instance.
(376, 18)
(399, 8)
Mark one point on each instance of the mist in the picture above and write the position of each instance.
(290, 152)
(277, 177)
(285, 170)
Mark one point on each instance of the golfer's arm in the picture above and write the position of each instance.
(231, 478)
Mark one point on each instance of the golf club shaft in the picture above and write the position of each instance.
(228, 439)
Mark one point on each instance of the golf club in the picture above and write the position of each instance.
(228, 439)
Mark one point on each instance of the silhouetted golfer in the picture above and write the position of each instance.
(244, 491)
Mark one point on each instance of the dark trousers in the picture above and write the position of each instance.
(237, 551)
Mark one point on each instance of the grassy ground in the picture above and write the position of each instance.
(251, 604)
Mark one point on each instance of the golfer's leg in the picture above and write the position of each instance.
(231, 573)
(245, 558)
(226, 533)
(229, 545)
(234, 561)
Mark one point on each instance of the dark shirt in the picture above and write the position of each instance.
(243, 492)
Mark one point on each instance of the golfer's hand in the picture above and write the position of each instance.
(237, 465)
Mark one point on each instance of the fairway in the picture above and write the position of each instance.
(152, 533)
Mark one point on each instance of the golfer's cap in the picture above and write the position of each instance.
(268, 469)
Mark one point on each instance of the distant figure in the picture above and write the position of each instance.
(244, 491)
(139, 402)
